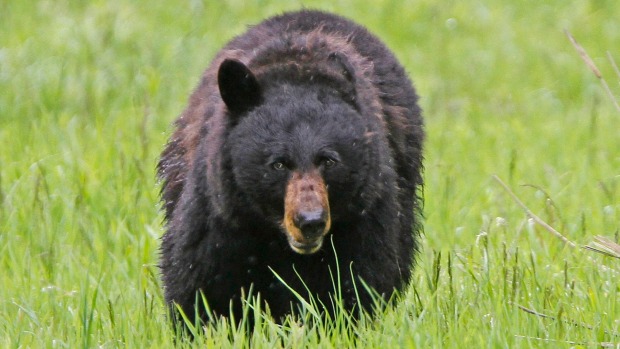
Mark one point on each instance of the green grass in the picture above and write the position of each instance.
(87, 94)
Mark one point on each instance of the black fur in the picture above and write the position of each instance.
(296, 89)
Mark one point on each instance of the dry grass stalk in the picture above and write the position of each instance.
(533, 216)
(604, 245)
(590, 63)
(567, 321)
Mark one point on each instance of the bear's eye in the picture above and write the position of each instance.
(327, 162)
(278, 166)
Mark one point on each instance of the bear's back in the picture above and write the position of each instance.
(391, 77)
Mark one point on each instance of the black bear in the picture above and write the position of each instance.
(296, 166)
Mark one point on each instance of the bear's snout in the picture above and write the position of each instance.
(311, 223)
(306, 212)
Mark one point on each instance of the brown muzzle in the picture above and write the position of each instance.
(306, 212)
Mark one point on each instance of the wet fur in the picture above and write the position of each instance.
(217, 238)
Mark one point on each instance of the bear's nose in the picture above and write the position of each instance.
(311, 223)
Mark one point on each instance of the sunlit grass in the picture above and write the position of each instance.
(87, 94)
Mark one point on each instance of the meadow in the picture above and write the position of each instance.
(88, 92)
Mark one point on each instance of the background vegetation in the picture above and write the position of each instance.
(88, 90)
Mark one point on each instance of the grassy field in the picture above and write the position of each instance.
(88, 90)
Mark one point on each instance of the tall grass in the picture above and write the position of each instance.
(87, 94)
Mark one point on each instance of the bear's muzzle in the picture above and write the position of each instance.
(306, 212)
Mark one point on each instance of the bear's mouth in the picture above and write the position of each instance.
(306, 212)
(306, 247)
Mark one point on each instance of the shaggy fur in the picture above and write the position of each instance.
(305, 115)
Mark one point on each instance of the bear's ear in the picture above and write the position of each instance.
(343, 67)
(340, 63)
(238, 86)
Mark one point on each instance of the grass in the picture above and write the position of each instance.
(87, 94)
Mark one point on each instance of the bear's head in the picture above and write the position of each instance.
(300, 150)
